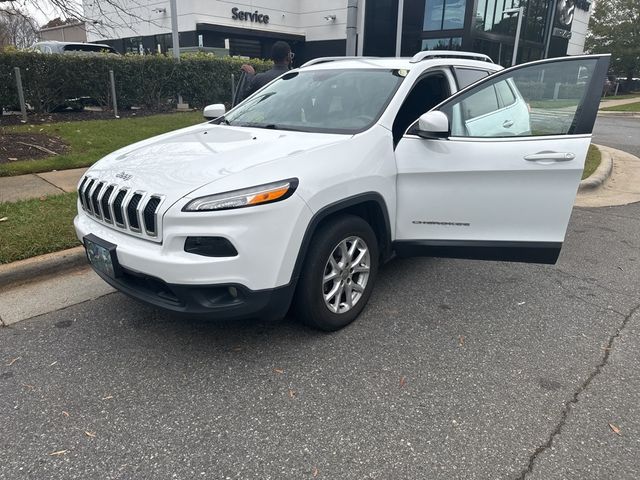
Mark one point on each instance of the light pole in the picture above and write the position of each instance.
(515, 11)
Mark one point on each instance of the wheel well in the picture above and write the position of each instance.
(369, 206)
(372, 213)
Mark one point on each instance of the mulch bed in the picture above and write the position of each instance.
(74, 116)
(29, 146)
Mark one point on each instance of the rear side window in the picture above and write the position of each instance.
(506, 94)
(87, 47)
(467, 76)
(480, 103)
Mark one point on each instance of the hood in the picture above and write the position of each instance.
(176, 163)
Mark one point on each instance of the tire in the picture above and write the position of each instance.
(321, 277)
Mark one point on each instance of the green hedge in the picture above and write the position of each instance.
(150, 80)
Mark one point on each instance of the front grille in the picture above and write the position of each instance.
(94, 200)
(132, 211)
(135, 212)
(117, 208)
(150, 214)
(104, 203)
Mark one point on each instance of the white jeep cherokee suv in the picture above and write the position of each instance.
(298, 194)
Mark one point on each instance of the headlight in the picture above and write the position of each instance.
(247, 197)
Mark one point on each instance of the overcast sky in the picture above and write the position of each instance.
(43, 12)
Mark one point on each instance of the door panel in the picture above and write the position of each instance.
(465, 190)
(502, 186)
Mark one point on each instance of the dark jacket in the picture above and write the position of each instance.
(256, 82)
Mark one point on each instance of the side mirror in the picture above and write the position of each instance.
(433, 125)
(216, 110)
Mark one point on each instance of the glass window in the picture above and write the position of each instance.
(444, 14)
(433, 15)
(454, 14)
(467, 76)
(544, 98)
(454, 43)
(332, 101)
(505, 93)
(481, 103)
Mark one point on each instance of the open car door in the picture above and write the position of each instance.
(497, 177)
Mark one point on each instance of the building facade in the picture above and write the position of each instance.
(73, 32)
(384, 27)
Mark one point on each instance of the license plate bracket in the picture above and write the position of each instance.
(102, 256)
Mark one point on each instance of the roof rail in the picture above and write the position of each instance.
(429, 54)
(315, 61)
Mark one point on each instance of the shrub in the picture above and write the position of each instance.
(152, 81)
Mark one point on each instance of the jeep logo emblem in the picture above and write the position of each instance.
(124, 176)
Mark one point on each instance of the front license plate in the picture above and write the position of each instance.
(102, 255)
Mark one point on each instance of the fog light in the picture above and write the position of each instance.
(210, 247)
(233, 291)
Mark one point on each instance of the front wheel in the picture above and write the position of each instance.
(339, 273)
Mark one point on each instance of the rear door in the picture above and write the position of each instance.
(501, 186)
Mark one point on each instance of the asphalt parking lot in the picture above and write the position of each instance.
(457, 369)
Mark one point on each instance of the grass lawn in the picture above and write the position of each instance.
(592, 162)
(629, 107)
(38, 226)
(91, 140)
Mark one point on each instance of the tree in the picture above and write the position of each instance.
(98, 15)
(59, 22)
(17, 28)
(615, 28)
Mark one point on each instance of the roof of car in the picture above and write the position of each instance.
(58, 42)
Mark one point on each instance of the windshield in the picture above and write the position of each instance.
(331, 101)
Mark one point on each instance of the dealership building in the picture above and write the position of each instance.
(549, 28)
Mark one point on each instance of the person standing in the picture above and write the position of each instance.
(281, 55)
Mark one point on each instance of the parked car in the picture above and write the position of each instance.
(298, 194)
(74, 48)
(52, 46)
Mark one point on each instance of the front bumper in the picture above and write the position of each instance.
(230, 301)
(258, 280)
(267, 239)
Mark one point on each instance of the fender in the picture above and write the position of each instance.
(336, 207)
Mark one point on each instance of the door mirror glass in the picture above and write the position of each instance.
(433, 125)
(214, 111)
(530, 100)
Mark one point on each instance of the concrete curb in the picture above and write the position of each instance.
(602, 173)
(24, 271)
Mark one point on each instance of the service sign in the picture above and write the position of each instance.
(256, 17)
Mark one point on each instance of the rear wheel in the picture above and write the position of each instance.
(339, 273)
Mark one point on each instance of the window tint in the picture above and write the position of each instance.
(448, 43)
(545, 100)
(87, 47)
(506, 94)
(467, 76)
(443, 14)
(480, 104)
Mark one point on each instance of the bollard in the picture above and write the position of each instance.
(23, 106)
(113, 93)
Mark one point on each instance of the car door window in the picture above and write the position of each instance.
(542, 99)
(428, 92)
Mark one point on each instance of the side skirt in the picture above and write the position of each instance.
(527, 252)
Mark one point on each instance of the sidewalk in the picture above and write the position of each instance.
(24, 187)
(604, 103)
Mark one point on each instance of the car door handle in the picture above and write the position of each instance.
(508, 124)
(555, 156)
